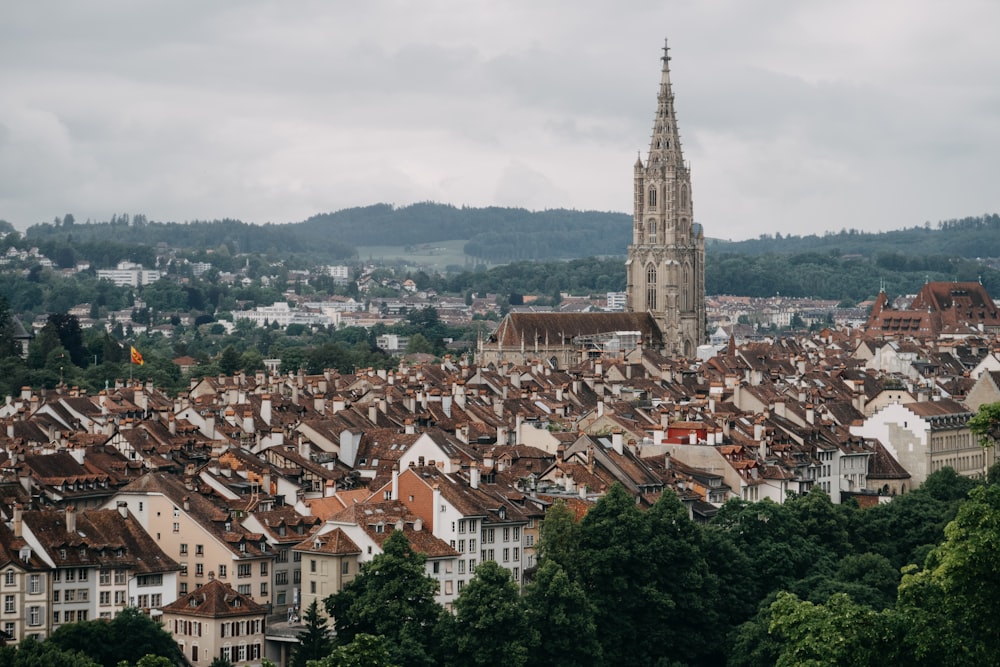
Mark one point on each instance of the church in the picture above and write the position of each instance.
(665, 293)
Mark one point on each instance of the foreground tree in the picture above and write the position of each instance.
(364, 651)
(314, 640)
(559, 611)
(391, 597)
(489, 627)
(128, 637)
(33, 653)
(950, 604)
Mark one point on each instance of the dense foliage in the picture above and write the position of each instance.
(805, 582)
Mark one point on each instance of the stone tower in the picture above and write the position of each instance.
(666, 260)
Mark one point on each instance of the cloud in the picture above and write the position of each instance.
(795, 116)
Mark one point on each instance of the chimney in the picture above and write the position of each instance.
(474, 475)
(408, 427)
(600, 407)
(266, 483)
(418, 525)
(172, 424)
(758, 430)
(319, 404)
(248, 421)
(186, 503)
(435, 507)
(395, 482)
(18, 522)
(122, 508)
(810, 413)
(265, 408)
(70, 519)
(617, 443)
(373, 413)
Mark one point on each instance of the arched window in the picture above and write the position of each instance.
(652, 196)
(684, 197)
(651, 287)
(685, 289)
(651, 231)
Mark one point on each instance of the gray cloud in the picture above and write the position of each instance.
(797, 117)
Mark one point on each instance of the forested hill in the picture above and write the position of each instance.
(969, 237)
(493, 234)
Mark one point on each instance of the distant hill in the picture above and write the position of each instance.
(492, 234)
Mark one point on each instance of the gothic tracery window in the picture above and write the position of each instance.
(652, 196)
(651, 287)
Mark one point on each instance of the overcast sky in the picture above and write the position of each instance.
(797, 117)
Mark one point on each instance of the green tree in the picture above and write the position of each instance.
(391, 597)
(490, 626)
(364, 651)
(33, 653)
(229, 361)
(948, 604)
(840, 633)
(985, 425)
(559, 535)
(314, 639)
(419, 345)
(557, 608)
(128, 636)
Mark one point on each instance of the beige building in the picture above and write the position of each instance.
(329, 562)
(205, 538)
(215, 621)
(925, 436)
(666, 261)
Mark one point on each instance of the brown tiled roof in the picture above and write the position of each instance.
(335, 543)
(215, 600)
(561, 328)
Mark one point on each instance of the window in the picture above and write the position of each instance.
(35, 583)
(243, 570)
(34, 616)
(199, 550)
(312, 564)
(8, 578)
(281, 578)
(517, 533)
(282, 556)
(506, 555)
(263, 589)
(104, 598)
(183, 588)
(650, 287)
(156, 600)
(184, 549)
(472, 566)
(199, 570)
(8, 629)
(120, 577)
(55, 617)
(517, 553)
(263, 569)
(8, 604)
(244, 589)
(55, 595)
(194, 653)
(312, 587)
(82, 615)
(120, 598)
(149, 580)
(529, 540)
(222, 571)
(461, 546)
(489, 536)
(296, 556)
(104, 578)
(506, 534)
(652, 196)
(82, 574)
(651, 231)
(177, 527)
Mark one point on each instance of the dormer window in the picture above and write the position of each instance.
(243, 547)
(502, 512)
(62, 554)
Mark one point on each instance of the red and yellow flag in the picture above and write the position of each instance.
(137, 357)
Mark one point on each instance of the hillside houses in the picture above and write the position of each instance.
(252, 480)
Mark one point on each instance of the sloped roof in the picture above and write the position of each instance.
(561, 328)
(215, 600)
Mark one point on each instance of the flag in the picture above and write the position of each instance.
(137, 357)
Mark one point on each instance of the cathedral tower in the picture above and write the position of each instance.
(666, 260)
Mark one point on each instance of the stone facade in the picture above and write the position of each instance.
(666, 260)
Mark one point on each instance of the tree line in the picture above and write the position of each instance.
(805, 582)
